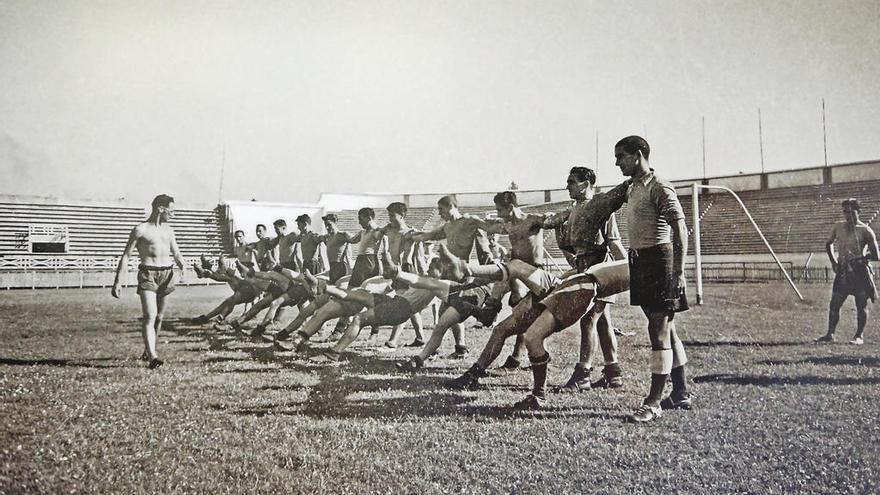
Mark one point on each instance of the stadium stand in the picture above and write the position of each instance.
(93, 237)
(794, 219)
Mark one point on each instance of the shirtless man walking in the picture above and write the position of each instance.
(156, 245)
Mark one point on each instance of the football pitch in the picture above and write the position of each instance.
(774, 413)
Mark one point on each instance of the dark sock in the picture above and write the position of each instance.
(539, 374)
(679, 382)
(475, 370)
(656, 393)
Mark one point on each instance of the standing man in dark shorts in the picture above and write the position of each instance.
(156, 246)
(369, 239)
(337, 248)
(587, 242)
(658, 244)
(402, 249)
(853, 274)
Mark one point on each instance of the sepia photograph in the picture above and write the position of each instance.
(439, 246)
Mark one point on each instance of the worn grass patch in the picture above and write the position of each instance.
(774, 412)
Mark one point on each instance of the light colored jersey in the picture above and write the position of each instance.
(653, 208)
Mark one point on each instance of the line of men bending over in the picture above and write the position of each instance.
(393, 280)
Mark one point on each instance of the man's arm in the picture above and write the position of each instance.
(123, 261)
(873, 255)
(434, 235)
(175, 251)
(679, 250)
(554, 220)
(829, 249)
(491, 226)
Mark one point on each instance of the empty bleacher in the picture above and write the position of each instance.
(102, 231)
(793, 219)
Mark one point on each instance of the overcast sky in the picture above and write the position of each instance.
(102, 100)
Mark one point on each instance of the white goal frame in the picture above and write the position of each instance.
(698, 262)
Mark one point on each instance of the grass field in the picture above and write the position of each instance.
(775, 413)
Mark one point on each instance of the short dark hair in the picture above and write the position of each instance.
(633, 144)
(367, 212)
(852, 203)
(280, 223)
(448, 201)
(261, 225)
(398, 208)
(584, 174)
(162, 200)
(304, 218)
(236, 233)
(506, 198)
(330, 217)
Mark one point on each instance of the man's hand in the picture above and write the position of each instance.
(116, 290)
(682, 283)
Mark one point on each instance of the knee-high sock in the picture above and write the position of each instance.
(539, 374)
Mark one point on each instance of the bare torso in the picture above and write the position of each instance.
(460, 236)
(154, 244)
(526, 239)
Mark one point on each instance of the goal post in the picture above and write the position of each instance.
(698, 262)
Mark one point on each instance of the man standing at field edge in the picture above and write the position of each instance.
(155, 243)
(853, 274)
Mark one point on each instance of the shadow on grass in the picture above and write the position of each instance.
(735, 343)
(74, 363)
(871, 362)
(364, 386)
(770, 381)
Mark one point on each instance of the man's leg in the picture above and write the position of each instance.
(448, 318)
(679, 398)
(612, 375)
(417, 324)
(543, 327)
(149, 307)
(329, 311)
(661, 364)
(861, 318)
(523, 315)
(308, 311)
(580, 377)
(837, 300)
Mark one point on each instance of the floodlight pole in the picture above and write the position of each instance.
(698, 261)
(699, 274)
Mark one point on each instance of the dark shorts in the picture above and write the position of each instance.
(856, 279)
(276, 290)
(158, 279)
(290, 265)
(337, 271)
(653, 285)
(297, 294)
(313, 266)
(467, 302)
(365, 266)
(247, 290)
(266, 264)
(390, 310)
